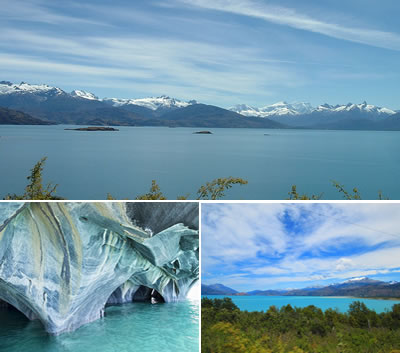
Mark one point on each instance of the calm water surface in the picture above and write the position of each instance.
(262, 303)
(129, 327)
(88, 165)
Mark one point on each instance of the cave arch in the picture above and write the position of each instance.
(149, 295)
(61, 263)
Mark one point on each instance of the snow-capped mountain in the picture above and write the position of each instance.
(7, 87)
(153, 103)
(84, 94)
(357, 286)
(54, 104)
(355, 279)
(301, 108)
(350, 107)
(276, 109)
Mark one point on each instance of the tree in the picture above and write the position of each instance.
(154, 193)
(35, 189)
(359, 315)
(216, 189)
(294, 195)
(347, 195)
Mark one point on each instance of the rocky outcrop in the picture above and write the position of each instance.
(94, 128)
(61, 263)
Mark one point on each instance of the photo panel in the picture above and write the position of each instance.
(300, 277)
(99, 276)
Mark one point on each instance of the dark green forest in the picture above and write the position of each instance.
(225, 328)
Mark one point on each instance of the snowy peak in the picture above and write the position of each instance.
(299, 108)
(84, 94)
(7, 87)
(245, 110)
(276, 109)
(153, 103)
(361, 108)
(356, 279)
(283, 112)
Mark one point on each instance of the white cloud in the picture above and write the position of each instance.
(37, 11)
(290, 17)
(190, 68)
(343, 264)
(234, 236)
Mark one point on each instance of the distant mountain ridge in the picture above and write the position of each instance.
(14, 117)
(300, 108)
(217, 289)
(356, 287)
(349, 116)
(49, 103)
(85, 108)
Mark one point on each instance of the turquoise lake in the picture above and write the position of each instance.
(262, 303)
(130, 327)
(88, 165)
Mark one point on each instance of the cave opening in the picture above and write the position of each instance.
(10, 312)
(146, 294)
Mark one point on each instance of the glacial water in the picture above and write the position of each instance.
(88, 165)
(262, 303)
(134, 327)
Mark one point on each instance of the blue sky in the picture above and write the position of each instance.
(221, 52)
(280, 246)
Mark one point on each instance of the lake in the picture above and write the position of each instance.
(88, 165)
(262, 303)
(130, 327)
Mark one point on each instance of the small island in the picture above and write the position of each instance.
(203, 132)
(94, 128)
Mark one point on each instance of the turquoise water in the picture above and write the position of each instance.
(88, 165)
(262, 303)
(134, 327)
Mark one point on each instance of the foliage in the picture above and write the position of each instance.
(209, 191)
(35, 189)
(154, 193)
(348, 196)
(227, 329)
(216, 189)
(294, 195)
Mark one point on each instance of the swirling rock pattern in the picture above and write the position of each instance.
(62, 262)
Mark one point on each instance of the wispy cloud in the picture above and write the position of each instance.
(39, 11)
(198, 50)
(290, 17)
(182, 63)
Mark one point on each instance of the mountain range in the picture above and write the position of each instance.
(53, 104)
(355, 287)
(14, 117)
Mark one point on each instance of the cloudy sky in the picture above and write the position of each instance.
(272, 246)
(219, 52)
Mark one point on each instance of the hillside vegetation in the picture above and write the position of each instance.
(298, 330)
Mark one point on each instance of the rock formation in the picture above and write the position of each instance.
(62, 262)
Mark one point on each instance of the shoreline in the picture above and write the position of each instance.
(303, 296)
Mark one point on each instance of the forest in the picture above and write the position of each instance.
(225, 328)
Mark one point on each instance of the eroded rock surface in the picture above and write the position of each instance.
(63, 262)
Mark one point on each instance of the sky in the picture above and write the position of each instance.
(221, 52)
(284, 245)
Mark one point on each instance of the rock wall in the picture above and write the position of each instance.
(62, 262)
